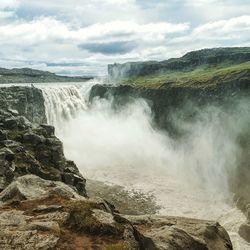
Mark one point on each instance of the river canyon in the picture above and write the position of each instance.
(188, 176)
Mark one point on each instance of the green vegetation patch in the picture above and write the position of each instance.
(200, 77)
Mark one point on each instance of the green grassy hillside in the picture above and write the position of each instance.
(200, 77)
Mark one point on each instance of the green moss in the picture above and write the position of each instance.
(200, 77)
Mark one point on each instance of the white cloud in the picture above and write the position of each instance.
(113, 2)
(44, 29)
(238, 24)
(7, 8)
(198, 3)
(90, 34)
(9, 4)
(85, 12)
(131, 29)
(49, 40)
(212, 10)
(6, 14)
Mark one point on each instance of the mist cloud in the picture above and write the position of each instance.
(109, 141)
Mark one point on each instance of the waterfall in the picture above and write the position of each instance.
(64, 101)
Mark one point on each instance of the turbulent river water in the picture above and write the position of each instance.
(188, 178)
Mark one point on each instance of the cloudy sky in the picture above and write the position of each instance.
(80, 37)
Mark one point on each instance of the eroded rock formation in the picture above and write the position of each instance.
(28, 149)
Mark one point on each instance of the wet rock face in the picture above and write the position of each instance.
(25, 101)
(28, 149)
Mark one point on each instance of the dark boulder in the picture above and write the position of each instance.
(18, 122)
(11, 123)
(7, 154)
(10, 143)
(49, 129)
(71, 168)
(3, 135)
(244, 231)
(33, 138)
(7, 167)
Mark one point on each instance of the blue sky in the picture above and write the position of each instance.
(78, 37)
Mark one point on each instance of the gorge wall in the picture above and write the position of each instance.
(169, 100)
(173, 106)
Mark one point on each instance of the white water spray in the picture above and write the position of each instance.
(188, 178)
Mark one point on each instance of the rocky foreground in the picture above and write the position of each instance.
(44, 204)
(40, 214)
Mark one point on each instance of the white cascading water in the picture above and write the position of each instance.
(64, 101)
(122, 148)
(62, 104)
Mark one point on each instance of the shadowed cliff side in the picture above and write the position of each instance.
(25, 101)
